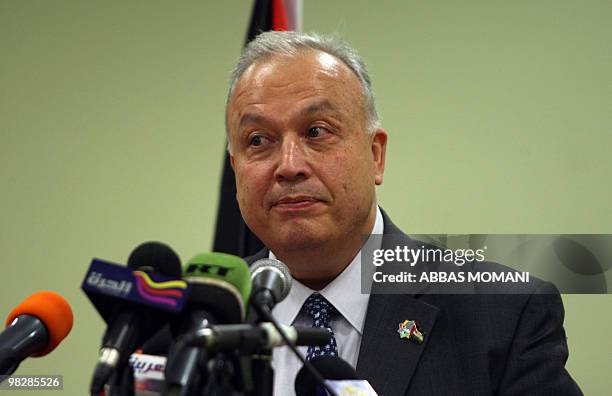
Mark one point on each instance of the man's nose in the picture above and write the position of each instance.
(293, 164)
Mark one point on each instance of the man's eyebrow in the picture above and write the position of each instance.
(320, 106)
(248, 118)
(313, 108)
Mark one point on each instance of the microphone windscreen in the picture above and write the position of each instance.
(51, 309)
(261, 266)
(330, 368)
(221, 282)
(157, 256)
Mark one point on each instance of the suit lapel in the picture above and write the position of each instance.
(387, 361)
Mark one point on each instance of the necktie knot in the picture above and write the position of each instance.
(319, 309)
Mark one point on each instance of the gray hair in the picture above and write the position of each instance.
(272, 43)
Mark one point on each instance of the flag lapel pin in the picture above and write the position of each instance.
(408, 329)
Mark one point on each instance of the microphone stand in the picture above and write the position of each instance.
(228, 377)
(263, 371)
(262, 368)
(122, 382)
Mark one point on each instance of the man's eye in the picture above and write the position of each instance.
(256, 141)
(315, 131)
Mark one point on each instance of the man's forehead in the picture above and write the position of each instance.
(307, 66)
(313, 81)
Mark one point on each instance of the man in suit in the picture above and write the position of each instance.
(307, 149)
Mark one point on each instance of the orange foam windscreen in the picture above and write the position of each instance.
(53, 310)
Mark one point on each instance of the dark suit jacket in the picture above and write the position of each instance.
(476, 344)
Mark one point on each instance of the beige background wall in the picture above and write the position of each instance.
(111, 133)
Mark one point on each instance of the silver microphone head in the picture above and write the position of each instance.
(273, 275)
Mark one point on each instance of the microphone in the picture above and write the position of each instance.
(121, 295)
(157, 257)
(339, 377)
(249, 338)
(220, 287)
(271, 282)
(35, 327)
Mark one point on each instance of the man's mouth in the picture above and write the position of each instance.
(295, 203)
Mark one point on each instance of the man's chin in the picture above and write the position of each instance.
(293, 236)
(297, 241)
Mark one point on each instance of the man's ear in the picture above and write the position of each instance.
(232, 162)
(379, 151)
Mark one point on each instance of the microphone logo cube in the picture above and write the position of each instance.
(105, 280)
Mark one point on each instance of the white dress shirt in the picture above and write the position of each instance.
(344, 292)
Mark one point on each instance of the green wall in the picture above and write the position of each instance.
(111, 133)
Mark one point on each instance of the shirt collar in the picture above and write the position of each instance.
(344, 292)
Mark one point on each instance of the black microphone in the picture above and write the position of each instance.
(220, 286)
(248, 338)
(330, 368)
(130, 324)
(34, 328)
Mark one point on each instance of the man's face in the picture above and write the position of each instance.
(305, 167)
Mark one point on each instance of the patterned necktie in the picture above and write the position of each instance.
(320, 310)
